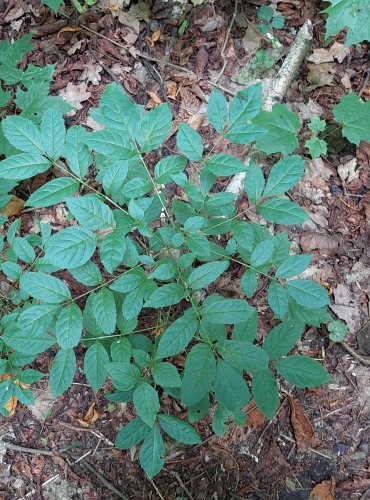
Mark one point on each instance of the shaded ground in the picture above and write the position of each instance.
(264, 459)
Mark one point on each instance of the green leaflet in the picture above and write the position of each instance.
(178, 335)
(200, 371)
(62, 371)
(53, 192)
(353, 114)
(72, 247)
(91, 212)
(206, 274)
(302, 371)
(68, 327)
(104, 310)
(265, 392)
(44, 288)
(179, 430)
(53, 133)
(146, 403)
(23, 134)
(151, 452)
(217, 110)
(96, 358)
(131, 434)
(189, 142)
(23, 166)
(229, 386)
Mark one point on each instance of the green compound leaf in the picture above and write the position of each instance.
(302, 371)
(104, 310)
(229, 387)
(316, 147)
(281, 130)
(53, 133)
(23, 166)
(307, 293)
(72, 247)
(68, 326)
(23, 134)
(206, 274)
(254, 182)
(166, 295)
(217, 110)
(217, 309)
(53, 192)
(62, 371)
(178, 335)
(131, 434)
(265, 392)
(199, 374)
(91, 212)
(278, 299)
(353, 114)
(95, 360)
(242, 355)
(179, 430)
(222, 164)
(155, 127)
(282, 212)
(284, 175)
(293, 265)
(189, 142)
(146, 403)
(282, 338)
(44, 287)
(151, 452)
(167, 167)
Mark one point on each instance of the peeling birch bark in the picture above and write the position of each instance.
(277, 91)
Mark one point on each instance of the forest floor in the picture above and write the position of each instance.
(319, 438)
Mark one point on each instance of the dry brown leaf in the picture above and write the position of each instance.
(303, 431)
(13, 207)
(337, 51)
(323, 491)
(201, 60)
(317, 241)
(155, 98)
(171, 91)
(154, 38)
(90, 417)
(254, 414)
(68, 29)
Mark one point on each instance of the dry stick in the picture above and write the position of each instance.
(365, 360)
(277, 91)
(104, 481)
(225, 42)
(24, 449)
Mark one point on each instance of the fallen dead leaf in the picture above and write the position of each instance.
(347, 171)
(171, 91)
(13, 207)
(74, 95)
(68, 29)
(154, 38)
(323, 491)
(337, 51)
(91, 73)
(254, 414)
(155, 98)
(90, 417)
(312, 240)
(303, 430)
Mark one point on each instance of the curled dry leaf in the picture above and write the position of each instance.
(323, 491)
(155, 98)
(171, 88)
(154, 38)
(312, 240)
(68, 29)
(13, 207)
(303, 431)
(201, 60)
(90, 417)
